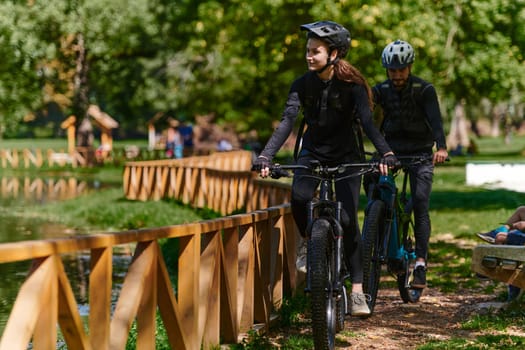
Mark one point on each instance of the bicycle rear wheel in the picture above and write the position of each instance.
(324, 303)
(373, 229)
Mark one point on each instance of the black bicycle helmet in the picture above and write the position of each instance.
(334, 34)
(398, 54)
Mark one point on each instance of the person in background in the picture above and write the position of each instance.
(174, 143)
(512, 232)
(186, 132)
(412, 125)
(336, 102)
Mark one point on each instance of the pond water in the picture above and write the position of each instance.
(18, 192)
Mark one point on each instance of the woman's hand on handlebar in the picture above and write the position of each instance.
(387, 162)
(262, 165)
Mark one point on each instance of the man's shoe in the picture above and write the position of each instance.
(488, 237)
(420, 277)
(358, 305)
(302, 252)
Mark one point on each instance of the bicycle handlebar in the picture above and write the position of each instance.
(404, 162)
(324, 171)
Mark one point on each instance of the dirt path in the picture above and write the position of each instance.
(396, 325)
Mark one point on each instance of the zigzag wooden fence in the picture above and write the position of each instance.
(232, 272)
(222, 182)
(37, 158)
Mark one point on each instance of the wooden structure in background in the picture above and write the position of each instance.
(70, 127)
(106, 124)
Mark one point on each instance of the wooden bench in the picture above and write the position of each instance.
(500, 262)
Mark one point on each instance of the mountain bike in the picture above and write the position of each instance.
(388, 233)
(326, 269)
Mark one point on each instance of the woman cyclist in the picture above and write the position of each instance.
(333, 96)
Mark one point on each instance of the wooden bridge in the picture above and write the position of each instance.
(232, 272)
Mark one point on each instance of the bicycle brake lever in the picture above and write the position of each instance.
(278, 172)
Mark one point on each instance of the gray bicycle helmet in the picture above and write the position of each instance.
(334, 34)
(398, 54)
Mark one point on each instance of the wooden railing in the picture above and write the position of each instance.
(232, 272)
(221, 182)
(37, 158)
(503, 263)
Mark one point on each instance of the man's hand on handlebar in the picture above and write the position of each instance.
(262, 165)
(440, 156)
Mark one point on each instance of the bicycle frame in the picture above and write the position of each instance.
(395, 217)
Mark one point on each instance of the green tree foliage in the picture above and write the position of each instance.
(237, 58)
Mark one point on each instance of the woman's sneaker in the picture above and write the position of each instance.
(358, 305)
(420, 277)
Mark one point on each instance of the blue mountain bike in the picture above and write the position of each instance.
(388, 233)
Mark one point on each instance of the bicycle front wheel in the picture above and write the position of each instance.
(323, 302)
(408, 294)
(373, 229)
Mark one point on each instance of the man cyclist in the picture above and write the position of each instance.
(412, 125)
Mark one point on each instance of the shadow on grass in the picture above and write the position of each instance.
(451, 267)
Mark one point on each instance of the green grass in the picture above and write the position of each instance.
(492, 328)
(56, 144)
(108, 210)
